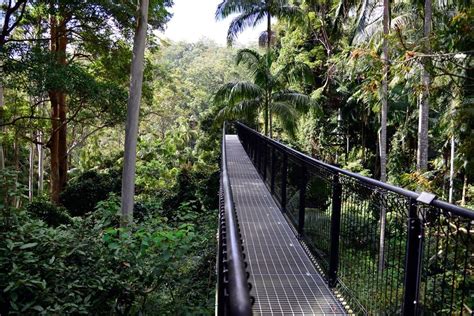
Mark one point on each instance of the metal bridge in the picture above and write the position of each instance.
(301, 237)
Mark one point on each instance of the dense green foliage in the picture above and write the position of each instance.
(84, 192)
(91, 266)
(317, 86)
(75, 259)
(340, 45)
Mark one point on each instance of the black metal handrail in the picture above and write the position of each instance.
(310, 160)
(233, 297)
(387, 250)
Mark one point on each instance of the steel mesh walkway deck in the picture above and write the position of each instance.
(284, 280)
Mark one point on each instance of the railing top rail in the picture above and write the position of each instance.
(239, 296)
(456, 210)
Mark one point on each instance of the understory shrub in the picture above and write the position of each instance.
(84, 192)
(193, 186)
(93, 267)
(48, 212)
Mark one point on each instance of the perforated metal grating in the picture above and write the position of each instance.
(284, 280)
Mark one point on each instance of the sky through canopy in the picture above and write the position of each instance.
(195, 19)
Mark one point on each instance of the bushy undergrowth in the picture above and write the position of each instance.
(82, 193)
(48, 212)
(90, 266)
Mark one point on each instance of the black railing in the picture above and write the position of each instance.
(384, 249)
(233, 289)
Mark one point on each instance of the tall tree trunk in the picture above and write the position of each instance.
(265, 116)
(31, 171)
(269, 42)
(10, 22)
(53, 148)
(422, 152)
(383, 127)
(58, 143)
(62, 111)
(464, 190)
(338, 135)
(451, 171)
(133, 110)
(2, 130)
(16, 161)
(384, 94)
(40, 163)
(270, 122)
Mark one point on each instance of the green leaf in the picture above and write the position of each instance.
(38, 308)
(29, 245)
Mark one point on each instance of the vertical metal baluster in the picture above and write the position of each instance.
(465, 270)
(302, 206)
(272, 183)
(284, 173)
(413, 261)
(264, 161)
(335, 231)
(455, 264)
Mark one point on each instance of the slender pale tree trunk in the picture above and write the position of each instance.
(464, 191)
(53, 148)
(384, 95)
(269, 42)
(422, 152)
(270, 120)
(338, 134)
(265, 115)
(31, 172)
(133, 109)
(16, 162)
(451, 171)
(383, 127)
(40, 150)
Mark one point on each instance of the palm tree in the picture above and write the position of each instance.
(422, 152)
(266, 93)
(252, 12)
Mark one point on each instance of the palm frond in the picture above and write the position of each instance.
(246, 109)
(230, 7)
(241, 22)
(294, 72)
(290, 13)
(234, 92)
(369, 22)
(403, 21)
(286, 115)
(281, 109)
(299, 101)
(263, 78)
(247, 56)
(222, 95)
(244, 90)
(337, 16)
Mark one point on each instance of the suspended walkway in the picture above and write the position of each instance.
(301, 237)
(284, 280)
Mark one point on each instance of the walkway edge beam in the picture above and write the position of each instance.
(236, 297)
